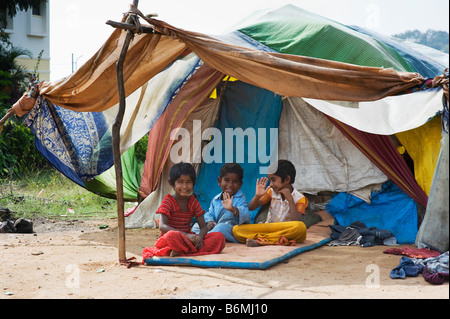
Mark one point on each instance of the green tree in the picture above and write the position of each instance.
(10, 8)
(17, 149)
(14, 72)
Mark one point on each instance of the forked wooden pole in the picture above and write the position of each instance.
(116, 145)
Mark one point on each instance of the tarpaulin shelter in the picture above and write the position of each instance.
(342, 100)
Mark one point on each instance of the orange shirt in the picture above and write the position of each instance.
(279, 208)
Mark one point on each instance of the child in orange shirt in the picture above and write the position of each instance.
(283, 225)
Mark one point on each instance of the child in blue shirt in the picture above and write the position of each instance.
(228, 208)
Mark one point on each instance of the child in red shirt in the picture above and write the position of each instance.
(176, 213)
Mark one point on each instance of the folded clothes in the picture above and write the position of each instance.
(349, 236)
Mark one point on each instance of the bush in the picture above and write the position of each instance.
(17, 151)
(18, 154)
(48, 194)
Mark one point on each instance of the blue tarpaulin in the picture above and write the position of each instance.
(243, 106)
(389, 209)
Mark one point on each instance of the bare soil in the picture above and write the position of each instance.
(78, 259)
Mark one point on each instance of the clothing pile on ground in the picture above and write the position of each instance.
(358, 233)
(434, 269)
(10, 225)
(388, 207)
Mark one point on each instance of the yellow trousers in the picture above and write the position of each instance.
(272, 233)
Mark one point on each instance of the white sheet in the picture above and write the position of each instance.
(386, 116)
(324, 158)
(145, 105)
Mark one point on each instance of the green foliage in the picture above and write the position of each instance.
(438, 40)
(49, 194)
(141, 149)
(7, 161)
(5, 88)
(12, 6)
(18, 155)
(13, 73)
(17, 151)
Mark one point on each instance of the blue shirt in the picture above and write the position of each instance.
(219, 214)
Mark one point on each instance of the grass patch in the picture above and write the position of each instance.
(49, 194)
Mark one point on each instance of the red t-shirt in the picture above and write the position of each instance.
(178, 219)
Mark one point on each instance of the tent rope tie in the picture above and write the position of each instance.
(442, 81)
(129, 262)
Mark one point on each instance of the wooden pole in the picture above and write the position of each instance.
(131, 27)
(116, 144)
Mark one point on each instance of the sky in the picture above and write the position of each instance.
(78, 27)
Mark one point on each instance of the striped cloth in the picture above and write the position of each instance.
(180, 220)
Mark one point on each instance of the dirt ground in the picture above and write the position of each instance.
(79, 260)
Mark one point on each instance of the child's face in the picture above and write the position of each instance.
(184, 186)
(277, 184)
(230, 183)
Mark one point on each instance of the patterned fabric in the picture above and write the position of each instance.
(438, 264)
(413, 252)
(77, 143)
(196, 90)
(83, 152)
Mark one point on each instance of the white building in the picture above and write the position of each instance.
(31, 30)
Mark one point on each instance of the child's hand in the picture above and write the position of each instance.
(199, 244)
(227, 201)
(286, 193)
(261, 188)
(193, 238)
(210, 225)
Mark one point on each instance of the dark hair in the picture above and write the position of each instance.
(181, 169)
(285, 169)
(232, 168)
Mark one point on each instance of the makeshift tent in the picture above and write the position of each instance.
(337, 96)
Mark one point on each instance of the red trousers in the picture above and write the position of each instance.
(213, 243)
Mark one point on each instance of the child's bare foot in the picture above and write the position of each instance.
(174, 253)
(252, 243)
